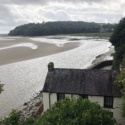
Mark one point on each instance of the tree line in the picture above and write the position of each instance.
(60, 27)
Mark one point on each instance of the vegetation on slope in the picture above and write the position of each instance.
(118, 37)
(119, 56)
(67, 112)
(120, 80)
(60, 27)
(118, 40)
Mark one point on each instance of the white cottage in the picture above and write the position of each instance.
(93, 84)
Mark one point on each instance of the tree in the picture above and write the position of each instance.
(76, 112)
(119, 56)
(118, 40)
(120, 80)
(118, 37)
(58, 27)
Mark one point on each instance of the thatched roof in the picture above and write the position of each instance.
(81, 81)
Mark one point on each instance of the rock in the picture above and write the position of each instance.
(25, 103)
(38, 104)
(32, 107)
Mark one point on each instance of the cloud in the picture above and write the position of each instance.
(23, 2)
(5, 15)
(58, 15)
(17, 12)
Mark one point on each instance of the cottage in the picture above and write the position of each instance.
(93, 84)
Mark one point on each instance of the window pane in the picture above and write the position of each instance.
(84, 96)
(60, 96)
(108, 102)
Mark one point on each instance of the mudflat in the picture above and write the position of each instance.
(10, 53)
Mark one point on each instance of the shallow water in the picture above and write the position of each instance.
(24, 79)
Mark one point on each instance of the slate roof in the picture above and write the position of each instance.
(81, 81)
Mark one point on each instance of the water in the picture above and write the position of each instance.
(26, 78)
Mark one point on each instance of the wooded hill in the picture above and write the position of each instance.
(60, 27)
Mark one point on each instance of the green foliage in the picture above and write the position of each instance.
(76, 112)
(66, 112)
(120, 80)
(118, 37)
(58, 27)
(12, 119)
(119, 56)
(28, 121)
(118, 40)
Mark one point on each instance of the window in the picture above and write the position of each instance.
(84, 96)
(60, 96)
(108, 102)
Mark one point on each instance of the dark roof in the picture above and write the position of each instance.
(81, 81)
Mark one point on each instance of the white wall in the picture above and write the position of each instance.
(117, 105)
(98, 99)
(53, 99)
(117, 110)
(45, 101)
(68, 95)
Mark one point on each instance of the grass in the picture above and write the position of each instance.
(101, 35)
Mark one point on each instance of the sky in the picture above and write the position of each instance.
(18, 12)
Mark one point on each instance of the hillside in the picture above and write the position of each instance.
(60, 27)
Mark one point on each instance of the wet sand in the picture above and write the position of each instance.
(23, 80)
(18, 54)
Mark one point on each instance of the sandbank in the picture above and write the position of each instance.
(11, 54)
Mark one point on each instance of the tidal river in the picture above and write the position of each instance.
(23, 63)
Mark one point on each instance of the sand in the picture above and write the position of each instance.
(23, 80)
(21, 53)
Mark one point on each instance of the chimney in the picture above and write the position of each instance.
(50, 67)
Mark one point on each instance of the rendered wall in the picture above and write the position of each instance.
(117, 105)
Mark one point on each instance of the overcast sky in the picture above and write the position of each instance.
(18, 12)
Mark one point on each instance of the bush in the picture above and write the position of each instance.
(76, 112)
(66, 112)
